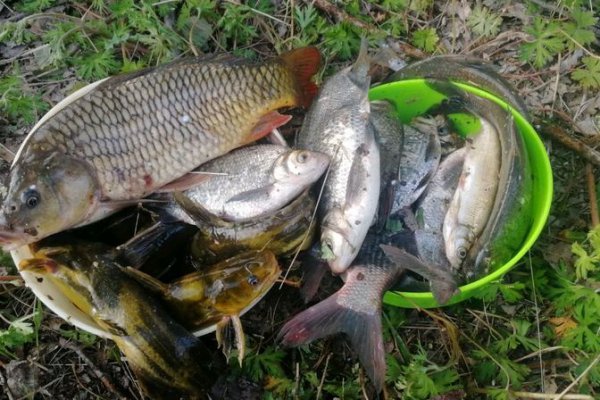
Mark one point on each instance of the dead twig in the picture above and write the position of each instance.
(591, 186)
(563, 394)
(99, 374)
(4, 382)
(533, 395)
(320, 388)
(6, 154)
(557, 133)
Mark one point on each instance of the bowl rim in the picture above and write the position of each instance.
(544, 174)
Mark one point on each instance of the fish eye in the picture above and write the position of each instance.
(31, 198)
(461, 252)
(302, 157)
(252, 280)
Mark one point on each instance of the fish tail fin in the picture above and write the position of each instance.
(329, 317)
(443, 284)
(303, 63)
(363, 61)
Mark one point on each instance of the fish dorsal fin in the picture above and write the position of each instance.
(303, 63)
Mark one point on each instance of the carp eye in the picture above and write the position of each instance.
(31, 198)
(302, 157)
(461, 252)
(252, 280)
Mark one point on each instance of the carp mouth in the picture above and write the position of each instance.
(11, 240)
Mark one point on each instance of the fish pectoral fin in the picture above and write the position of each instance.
(266, 124)
(329, 317)
(149, 282)
(137, 250)
(188, 181)
(199, 214)
(240, 337)
(223, 334)
(442, 282)
(254, 195)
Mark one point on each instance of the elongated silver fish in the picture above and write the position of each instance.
(122, 138)
(432, 208)
(255, 181)
(474, 197)
(337, 125)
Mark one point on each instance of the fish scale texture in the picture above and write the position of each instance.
(141, 133)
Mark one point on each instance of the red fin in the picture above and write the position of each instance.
(266, 124)
(304, 63)
(328, 317)
(185, 182)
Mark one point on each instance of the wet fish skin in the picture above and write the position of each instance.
(355, 310)
(420, 158)
(474, 197)
(164, 355)
(210, 299)
(432, 208)
(202, 299)
(337, 125)
(389, 134)
(281, 232)
(130, 135)
(257, 181)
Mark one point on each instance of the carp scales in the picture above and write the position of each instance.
(122, 138)
(208, 300)
(255, 181)
(337, 124)
(165, 356)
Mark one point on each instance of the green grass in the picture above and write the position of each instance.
(535, 331)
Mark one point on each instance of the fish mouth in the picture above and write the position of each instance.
(11, 240)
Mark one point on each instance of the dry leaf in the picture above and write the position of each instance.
(562, 325)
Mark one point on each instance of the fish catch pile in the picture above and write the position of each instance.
(144, 199)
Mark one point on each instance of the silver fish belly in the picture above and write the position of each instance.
(337, 125)
(432, 208)
(474, 197)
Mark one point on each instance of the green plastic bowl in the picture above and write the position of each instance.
(412, 98)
